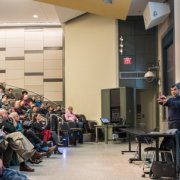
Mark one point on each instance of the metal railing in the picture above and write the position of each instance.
(15, 88)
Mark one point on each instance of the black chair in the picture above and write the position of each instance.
(150, 153)
(92, 129)
(141, 140)
(53, 123)
(69, 136)
(86, 128)
(64, 131)
(72, 125)
(77, 131)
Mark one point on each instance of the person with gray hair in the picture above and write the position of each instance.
(17, 142)
(16, 121)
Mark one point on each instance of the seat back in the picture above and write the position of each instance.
(64, 127)
(86, 127)
(54, 122)
(72, 124)
(146, 140)
(72, 135)
(92, 125)
(81, 117)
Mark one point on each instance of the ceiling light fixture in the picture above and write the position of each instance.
(35, 16)
(121, 45)
(107, 1)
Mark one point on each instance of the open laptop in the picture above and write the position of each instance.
(105, 120)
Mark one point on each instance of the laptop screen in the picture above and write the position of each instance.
(105, 120)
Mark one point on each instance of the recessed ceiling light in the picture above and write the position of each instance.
(107, 1)
(35, 16)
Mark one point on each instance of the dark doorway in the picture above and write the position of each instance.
(168, 62)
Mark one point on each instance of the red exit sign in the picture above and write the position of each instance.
(127, 60)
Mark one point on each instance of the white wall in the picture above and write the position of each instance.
(90, 62)
(31, 58)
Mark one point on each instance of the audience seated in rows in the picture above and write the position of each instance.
(16, 142)
(30, 128)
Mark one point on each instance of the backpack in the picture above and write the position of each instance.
(162, 169)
